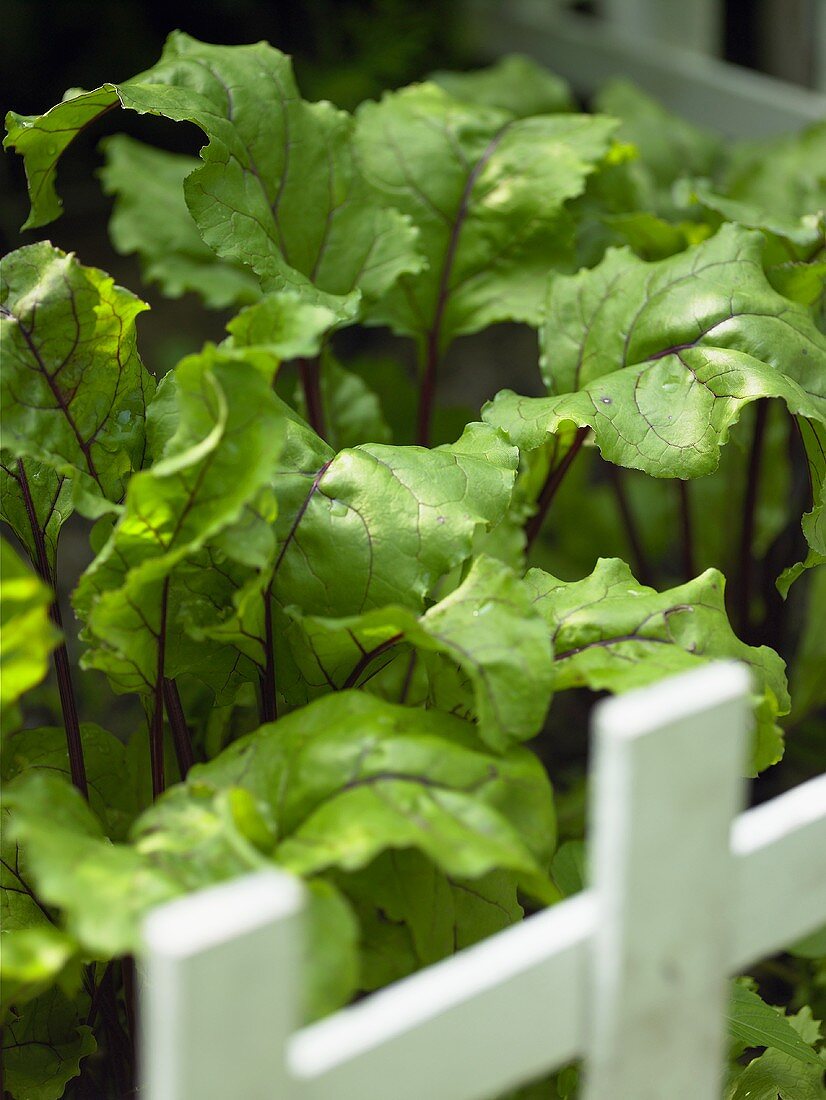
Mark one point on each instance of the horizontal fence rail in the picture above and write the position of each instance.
(629, 975)
(671, 59)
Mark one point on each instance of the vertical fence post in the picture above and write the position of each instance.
(667, 783)
(692, 24)
(220, 992)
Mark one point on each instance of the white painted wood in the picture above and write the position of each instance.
(735, 101)
(221, 991)
(630, 974)
(690, 24)
(667, 786)
(495, 1015)
(780, 853)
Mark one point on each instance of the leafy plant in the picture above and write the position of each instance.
(333, 635)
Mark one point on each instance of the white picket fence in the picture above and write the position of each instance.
(669, 47)
(629, 975)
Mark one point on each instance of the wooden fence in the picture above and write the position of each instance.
(630, 975)
(670, 48)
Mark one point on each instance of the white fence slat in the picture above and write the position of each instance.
(691, 24)
(780, 851)
(466, 1028)
(630, 974)
(221, 991)
(734, 101)
(667, 786)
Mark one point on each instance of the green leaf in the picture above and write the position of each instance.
(285, 326)
(515, 84)
(33, 960)
(611, 633)
(668, 146)
(102, 889)
(487, 192)
(568, 869)
(46, 493)
(808, 689)
(805, 232)
(43, 1046)
(19, 907)
(286, 793)
(277, 190)
(659, 359)
(812, 947)
(349, 776)
(112, 791)
(757, 1024)
(214, 453)
(777, 1074)
(74, 389)
(150, 217)
(785, 177)
(331, 966)
(28, 634)
(414, 915)
(487, 626)
(382, 524)
(652, 237)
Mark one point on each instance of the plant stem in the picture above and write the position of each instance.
(408, 676)
(432, 351)
(310, 372)
(366, 659)
(156, 726)
(268, 706)
(745, 560)
(641, 564)
(427, 393)
(63, 670)
(687, 531)
(549, 489)
(181, 736)
(127, 969)
(103, 1004)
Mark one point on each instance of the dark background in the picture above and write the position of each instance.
(343, 50)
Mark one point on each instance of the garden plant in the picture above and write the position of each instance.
(360, 622)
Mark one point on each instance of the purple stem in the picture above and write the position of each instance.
(745, 558)
(156, 727)
(310, 372)
(427, 394)
(63, 670)
(687, 532)
(181, 737)
(552, 482)
(366, 659)
(641, 564)
(268, 707)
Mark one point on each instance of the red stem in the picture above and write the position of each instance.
(310, 371)
(642, 567)
(181, 736)
(367, 658)
(745, 563)
(156, 726)
(549, 489)
(268, 707)
(687, 532)
(63, 670)
(427, 394)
